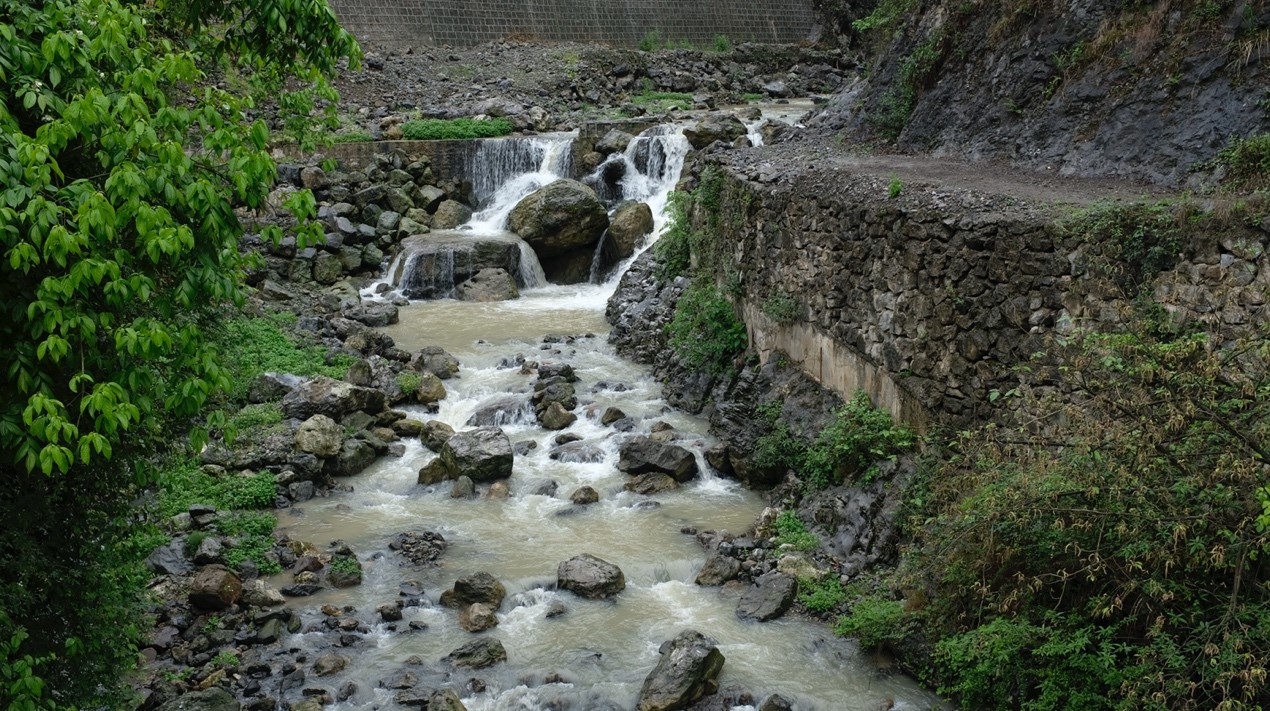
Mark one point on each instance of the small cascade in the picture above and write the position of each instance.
(496, 161)
(597, 261)
(531, 274)
(518, 166)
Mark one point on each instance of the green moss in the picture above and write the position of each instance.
(455, 129)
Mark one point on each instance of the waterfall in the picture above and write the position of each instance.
(515, 168)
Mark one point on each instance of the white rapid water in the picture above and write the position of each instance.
(500, 189)
(595, 655)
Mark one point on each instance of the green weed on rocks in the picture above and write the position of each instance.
(455, 129)
(705, 331)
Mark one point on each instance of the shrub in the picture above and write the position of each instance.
(781, 308)
(1115, 553)
(874, 621)
(264, 414)
(225, 658)
(674, 248)
(859, 435)
(455, 129)
(652, 41)
(721, 44)
(821, 595)
(705, 332)
(185, 484)
(252, 538)
(1247, 162)
(357, 136)
(409, 381)
(792, 531)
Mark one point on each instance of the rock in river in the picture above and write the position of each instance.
(688, 670)
(589, 576)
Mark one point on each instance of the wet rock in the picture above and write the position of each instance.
(615, 141)
(687, 670)
(477, 587)
(641, 455)
(210, 550)
(649, 484)
(213, 699)
(555, 417)
(632, 222)
(258, 593)
(301, 589)
(498, 491)
(434, 472)
(319, 435)
(389, 611)
(464, 488)
(561, 217)
(714, 127)
(354, 455)
(718, 569)
(333, 398)
(430, 390)
(484, 454)
(329, 664)
(214, 587)
(478, 654)
(770, 597)
(500, 412)
(477, 617)
(169, 559)
(301, 491)
(437, 361)
(419, 547)
(545, 488)
(577, 453)
(776, 702)
(489, 285)
(611, 415)
(434, 434)
(344, 571)
(584, 495)
(450, 214)
(270, 631)
(590, 577)
(375, 314)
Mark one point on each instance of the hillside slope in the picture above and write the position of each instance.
(1148, 91)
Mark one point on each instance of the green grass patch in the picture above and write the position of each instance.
(751, 98)
(663, 100)
(252, 345)
(185, 484)
(252, 536)
(791, 530)
(264, 414)
(455, 129)
(721, 44)
(781, 308)
(352, 137)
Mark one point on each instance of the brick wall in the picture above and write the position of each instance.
(401, 23)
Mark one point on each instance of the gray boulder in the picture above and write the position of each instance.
(319, 435)
(484, 454)
(477, 587)
(450, 214)
(169, 559)
(718, 569)
(354, 456)
(373, 313)
(487, 285)
(561, 217)
(477, 617)
(632, 222)
(714, 127)
(590, 577)
(335, 399)
(435, 360)
(434, 434)
(643, 455)
(651, 483)
(214, 587)
(688, 670)
(478, 654)
(771, 597)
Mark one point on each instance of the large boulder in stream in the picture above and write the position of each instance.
(714, 127)
(562, 217)
(644, 455)
(483, 454)
(591, 577)
(770, 598)
(214, 587)
(477, 587)
(688, 670)
(479, 654)
(487, 285)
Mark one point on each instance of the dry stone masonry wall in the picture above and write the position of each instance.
(409, 23)
(929, 300)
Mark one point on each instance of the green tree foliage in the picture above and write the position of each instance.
(121, 169)
(1116, 558)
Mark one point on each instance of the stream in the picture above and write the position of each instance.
(596, 654)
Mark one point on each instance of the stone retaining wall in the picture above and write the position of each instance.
(929, 301)
(410, 23)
